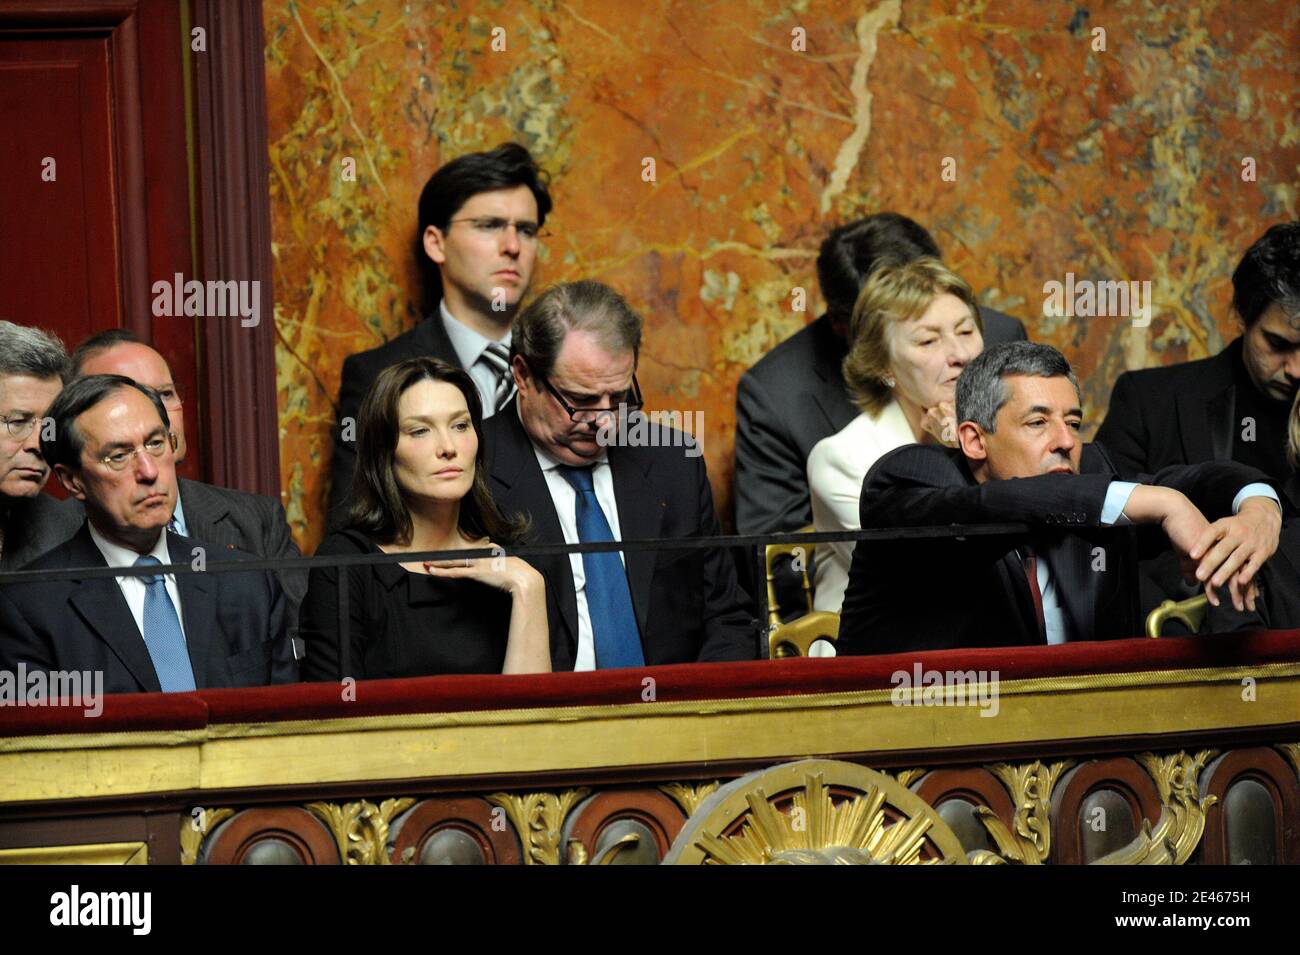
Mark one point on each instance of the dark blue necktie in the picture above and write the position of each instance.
(609, 600)
(162, 634)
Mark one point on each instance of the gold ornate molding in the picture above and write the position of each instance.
(838, 813)
(689, 797)
(194, 829)
(360, 829)
(1292, 752)
(906, 777)
(102, 853)
(1178, 831)
(1030, 786)
(538, 819)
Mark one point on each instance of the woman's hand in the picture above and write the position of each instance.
(512, 574)
(940, 424)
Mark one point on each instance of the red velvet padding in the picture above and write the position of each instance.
(762, 678)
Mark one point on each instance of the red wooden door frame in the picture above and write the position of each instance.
(225, 235)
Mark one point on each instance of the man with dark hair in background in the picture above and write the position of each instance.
(33, 366)
(113, 449)
(1021, 460)
(1232, 407)
(480, 220)
(795, 395)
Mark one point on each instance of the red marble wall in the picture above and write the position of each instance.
(1117, 163)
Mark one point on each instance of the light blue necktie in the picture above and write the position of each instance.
(609, 599)
(162, 634)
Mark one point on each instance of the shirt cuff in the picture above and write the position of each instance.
(1258, 489)
(1117, 495)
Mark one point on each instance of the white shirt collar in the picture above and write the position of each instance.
(467, 343)
(118, 556)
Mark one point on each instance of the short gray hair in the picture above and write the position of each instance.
(539, 330)
(31, 351)
(982, 388)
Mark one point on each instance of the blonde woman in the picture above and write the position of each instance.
(914, 327)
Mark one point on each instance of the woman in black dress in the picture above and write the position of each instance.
(420, 485)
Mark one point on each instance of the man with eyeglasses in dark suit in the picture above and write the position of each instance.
(559, 457)
(218, 517)
(112, 449)
(480, 218)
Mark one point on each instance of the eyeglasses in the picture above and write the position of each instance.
(493, 227)
(20, 426)
(627, 401)
(155, 446)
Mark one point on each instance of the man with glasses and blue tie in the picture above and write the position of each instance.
(112, 448)
(33, 366)
(480, 220)
(215, 516)
(574, 361)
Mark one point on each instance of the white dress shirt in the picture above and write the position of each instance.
(837, 467)
(469, 346)
(1112, 512)
(565, 499)
(133, 588)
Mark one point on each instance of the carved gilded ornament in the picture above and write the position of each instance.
(538, 818)
(360, 828)
(1292, 752)
(1178, 831)
(1030, 786)
(818, 812)
(689, 797)
(195, 828)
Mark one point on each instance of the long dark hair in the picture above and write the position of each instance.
(379, 510)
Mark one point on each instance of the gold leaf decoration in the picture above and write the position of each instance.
(1030, 786)
(361, 828)
(194, 829)
(689, 797)
(538, 819)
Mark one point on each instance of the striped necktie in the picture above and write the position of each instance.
(497, 357)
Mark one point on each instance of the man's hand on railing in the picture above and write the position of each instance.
(1232, 550)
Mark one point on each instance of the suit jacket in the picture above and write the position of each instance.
(926, 594)
(34, 525)
(792, 398)
(688, 604)
(1278, 606)
(234, 623)
(1179, 414)
(233, 520)
(429, 338)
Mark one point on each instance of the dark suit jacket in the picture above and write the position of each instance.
(231, 521)
(34, 525)
(927, 594)
(234, 623)
(1278, 606)
(688, 604)
(1179, 414)
(791, 399)
(359, 370)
